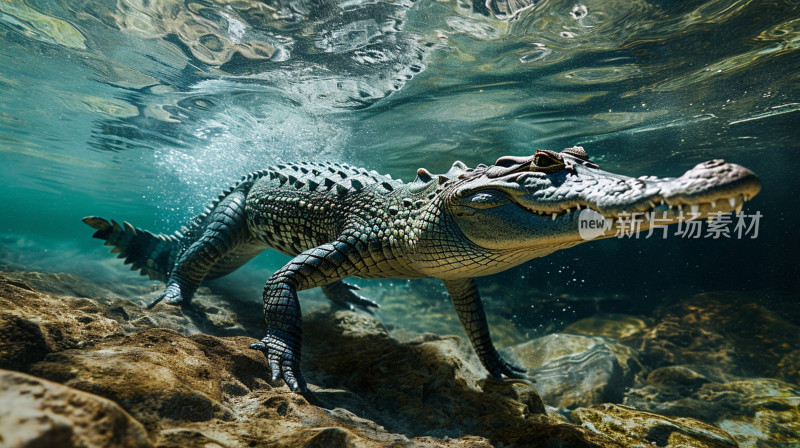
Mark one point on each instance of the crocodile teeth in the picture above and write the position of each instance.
(578, 207)
(555, 215)
(732, 201)
(739, 208)
(695, 209)
(713, 204)
(652, 204)
(710, 219)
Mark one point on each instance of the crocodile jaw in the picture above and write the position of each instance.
(542, 213)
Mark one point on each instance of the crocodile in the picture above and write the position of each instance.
(339, 221)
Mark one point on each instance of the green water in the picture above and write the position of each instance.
(143, 111)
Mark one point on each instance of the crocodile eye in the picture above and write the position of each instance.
(543, 161)
(546, 162)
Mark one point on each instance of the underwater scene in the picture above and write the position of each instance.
(399, 223)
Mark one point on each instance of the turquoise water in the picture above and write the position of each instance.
(143, 111)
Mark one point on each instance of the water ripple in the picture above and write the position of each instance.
(389, 81)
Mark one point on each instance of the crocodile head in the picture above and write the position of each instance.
(534, 204)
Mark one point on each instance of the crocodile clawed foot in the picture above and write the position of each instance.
(513, 371)
(172, 294)
(283, 358)
(357, 299)
(503, 368)
(344, 294)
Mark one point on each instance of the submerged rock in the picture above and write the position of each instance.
(206, 390)
(38, 413)
(573, 370)
(673, 340)
(412, 387)
(699, 355)
(729, 330)
(789, 367)
(367, 389)
(202, 390)
(33, 324)
(615, 326)
(755, 412)
(160, 374)
(631, 428)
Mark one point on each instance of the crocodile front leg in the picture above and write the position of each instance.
(467, 301)
(319, 266)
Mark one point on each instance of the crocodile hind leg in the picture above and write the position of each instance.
(344, 294)
(225, 229)
(467, 301)
(319, 266)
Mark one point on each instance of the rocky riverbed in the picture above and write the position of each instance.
(83, 366)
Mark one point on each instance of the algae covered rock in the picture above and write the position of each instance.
(754, 411)
(673, 340)
(39, 413)
(769, 411)
(789, 367)
(632, 428)
(729, 330)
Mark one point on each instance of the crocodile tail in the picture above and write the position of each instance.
(153, 255)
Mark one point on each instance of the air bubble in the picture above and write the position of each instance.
(579, 11)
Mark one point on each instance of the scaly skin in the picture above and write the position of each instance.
(338, 221)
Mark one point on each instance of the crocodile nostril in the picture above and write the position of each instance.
(577, 151)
